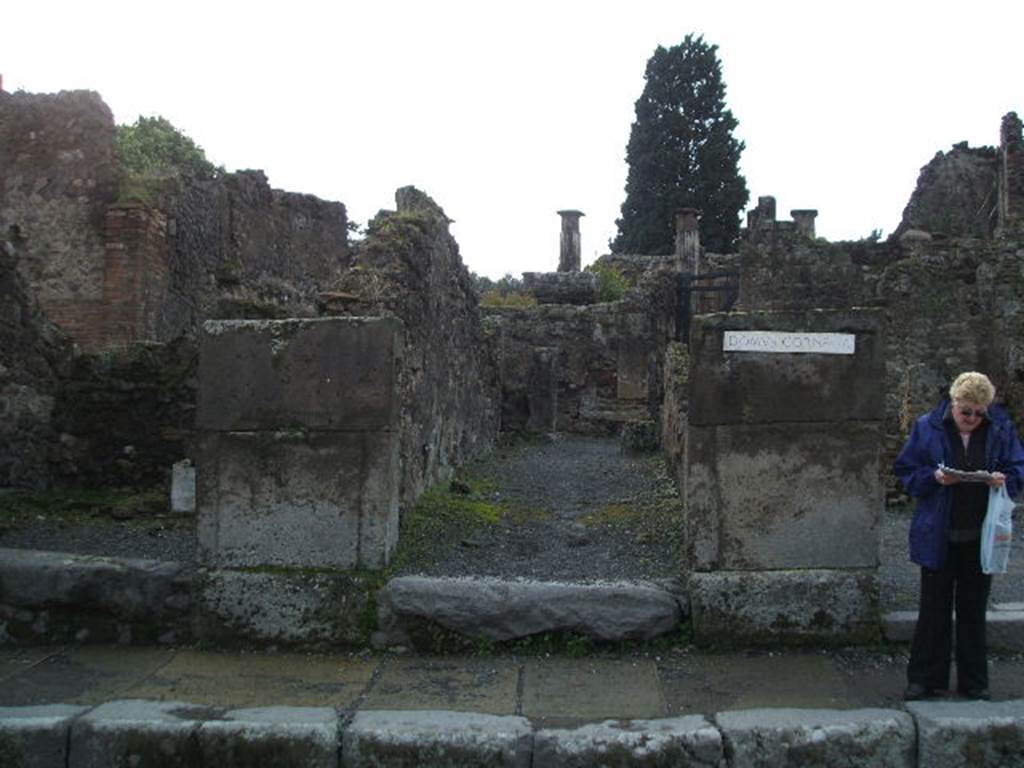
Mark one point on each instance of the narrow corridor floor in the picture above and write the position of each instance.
(572, 508)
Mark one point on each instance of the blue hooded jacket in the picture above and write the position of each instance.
(928, 447)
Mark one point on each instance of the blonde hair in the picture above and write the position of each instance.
(973, 387)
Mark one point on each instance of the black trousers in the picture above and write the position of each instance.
(960, 584)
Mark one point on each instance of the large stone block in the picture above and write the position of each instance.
(49, 597)
(977, 734)
(805, 605)
(761, 387)
(502, 610)
(336, 373)
(765, 496)
(818, 738)
(303, 499)
(289, 608)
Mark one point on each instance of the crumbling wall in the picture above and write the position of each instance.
(955, 194)
(125, 415)
(585, 369)
(239, 249)
(60, 171)
(409, 267)
(33, 354)
(111, 274)
(122, 278)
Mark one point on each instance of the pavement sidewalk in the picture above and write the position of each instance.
(549, 691)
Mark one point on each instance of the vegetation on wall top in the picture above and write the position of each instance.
(155, 156)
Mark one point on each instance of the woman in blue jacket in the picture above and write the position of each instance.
(966, 432)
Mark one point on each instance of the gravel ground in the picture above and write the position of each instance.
(584, 510)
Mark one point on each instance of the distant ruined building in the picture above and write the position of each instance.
(129, 285)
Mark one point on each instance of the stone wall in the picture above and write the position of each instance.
(781, 478)
(953, 305)
(124, 416)
(955, 194)
(134, 285)
(409, 267)
(586, 369)
(239, 249)
(33, 357)
(117, 278)
(226, 247)
(58, 153)
(298, 454)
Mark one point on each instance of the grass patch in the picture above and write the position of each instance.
(613, 515)
(144, 509)
(443, 515)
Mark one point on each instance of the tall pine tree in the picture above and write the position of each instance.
(682, 154)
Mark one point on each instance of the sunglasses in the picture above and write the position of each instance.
(981, 414)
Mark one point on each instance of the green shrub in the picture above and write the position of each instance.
(155, 156)
(611, 283)
(513, 300)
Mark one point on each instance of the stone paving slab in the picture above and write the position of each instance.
(86, 675)
(251, 680)
(14, 661)
(567, 691)
(1005, 631)
(465, 685)
(700, 683)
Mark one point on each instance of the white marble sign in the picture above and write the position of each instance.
(779, 341)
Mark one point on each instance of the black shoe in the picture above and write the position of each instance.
(976, 694)
(916, 692)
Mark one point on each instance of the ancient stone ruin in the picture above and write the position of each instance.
(319, 386)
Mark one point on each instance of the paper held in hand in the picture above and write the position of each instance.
(975, 476)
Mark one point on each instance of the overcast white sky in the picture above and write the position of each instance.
(507, 112)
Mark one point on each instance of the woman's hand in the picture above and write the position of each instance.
(943, 479)
(997, 480)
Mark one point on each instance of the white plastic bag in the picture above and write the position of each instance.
(997, 531)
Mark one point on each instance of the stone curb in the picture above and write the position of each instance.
(818, 738)
(690, 740)
(977, 734)
(36, 737)
(135, 732)
(451, 739)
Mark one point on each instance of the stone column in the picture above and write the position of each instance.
(688, 240)
(804, 220)
(569, 254)
(782, 490)
(766, 211)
